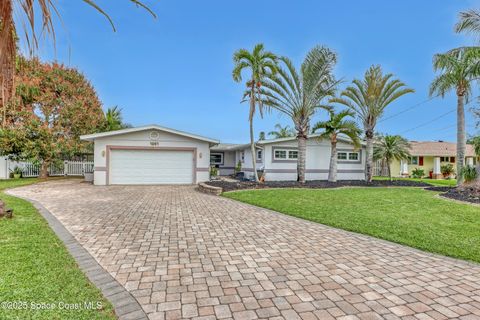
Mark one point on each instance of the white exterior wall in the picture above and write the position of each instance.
(229, 163)
(141, 139)
(247, 166)
(317, 162)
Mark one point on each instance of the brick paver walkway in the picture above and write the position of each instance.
(183, 254)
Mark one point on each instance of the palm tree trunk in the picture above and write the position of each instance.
(332, 172)
(252, 138)
(369, 162)
(302, 150)
(461, 138)
(389, 168)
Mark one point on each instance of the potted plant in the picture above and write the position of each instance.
(17, 172)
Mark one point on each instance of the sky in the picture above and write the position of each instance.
(175, 70)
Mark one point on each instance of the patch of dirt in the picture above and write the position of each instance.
(317, 184)
(439, 188)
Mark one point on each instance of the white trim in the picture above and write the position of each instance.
(92, 137)
(287, 154)
(216, 153)
(310, 136)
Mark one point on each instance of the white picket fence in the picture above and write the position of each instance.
(29, 169)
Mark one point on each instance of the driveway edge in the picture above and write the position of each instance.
(125, 305)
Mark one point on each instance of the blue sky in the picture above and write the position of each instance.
(176, 70)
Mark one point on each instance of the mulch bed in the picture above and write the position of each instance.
(241, 185)
(467, 194)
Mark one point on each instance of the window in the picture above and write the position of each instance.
(259, 155)
(413, 160)
(242, 156)
(342, 156)
(444, 159)
(348, 156)
(452, 159)
(285, 154)
(353, 156)
(216, 158)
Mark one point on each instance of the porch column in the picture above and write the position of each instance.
(437, 174)
(470, 161)
(403, 168)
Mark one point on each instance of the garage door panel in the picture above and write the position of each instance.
(151, 167)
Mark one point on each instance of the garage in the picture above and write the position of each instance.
(151, 167)
(150, 155)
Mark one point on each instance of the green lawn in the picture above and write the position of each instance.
(411, 216)
(35, 267)
(433, 182)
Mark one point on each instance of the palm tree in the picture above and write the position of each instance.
(368, 99)
(260, 64)
(282, 132)
(299, 94)
(42, 10)
(391, 147)
(113, 119)
(469, 22)
(458, 69)
(337, 125)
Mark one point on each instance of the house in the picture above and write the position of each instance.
(150, 155)
(277, 159)
(430, 156)
(158, 155)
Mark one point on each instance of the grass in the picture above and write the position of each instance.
(35, 267)
(433, 182)
(410, 216)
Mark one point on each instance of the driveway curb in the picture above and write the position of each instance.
(125, 305)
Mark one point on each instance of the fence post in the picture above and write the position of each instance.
(65, 168)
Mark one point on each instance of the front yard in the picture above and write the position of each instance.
(410, 216)
(36, 270)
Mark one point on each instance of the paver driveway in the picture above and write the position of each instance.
(183, 254)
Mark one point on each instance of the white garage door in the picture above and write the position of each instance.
(151, 167)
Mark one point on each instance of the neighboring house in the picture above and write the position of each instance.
(430, 156)
(277, 159)
(150, 155)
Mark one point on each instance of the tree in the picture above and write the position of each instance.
(33, 11)
(391, 147)
(260, 64)
(299, 94)
(261, 135)
(54, 105)
(469, 22)
(337, 125)
(282, 132)
(458, 68)
(368, 99)
(114, 119)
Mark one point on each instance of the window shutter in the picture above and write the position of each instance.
(452, 159)
(420, 161)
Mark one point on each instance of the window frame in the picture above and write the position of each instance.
(410, 160)
(259, 159)
(347, 156)
(221, 158)
(288, 151)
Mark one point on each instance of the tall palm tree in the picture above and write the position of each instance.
(368, 99)
(469, 22)
(282, 132)
(299, 94)
(391, 147)
(337, 125)
(260, 64)
(458, 69)
(31, 11)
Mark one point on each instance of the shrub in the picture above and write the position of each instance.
(238, 167)
(418, 173)
(469, 173)
(447, 170)
(213, 171)
(18, 170)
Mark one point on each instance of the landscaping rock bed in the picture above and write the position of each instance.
(467, 194)
(240, 185)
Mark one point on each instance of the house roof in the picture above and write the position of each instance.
(92, 137)
(231, 147)
(437, 148)
(310, 136)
